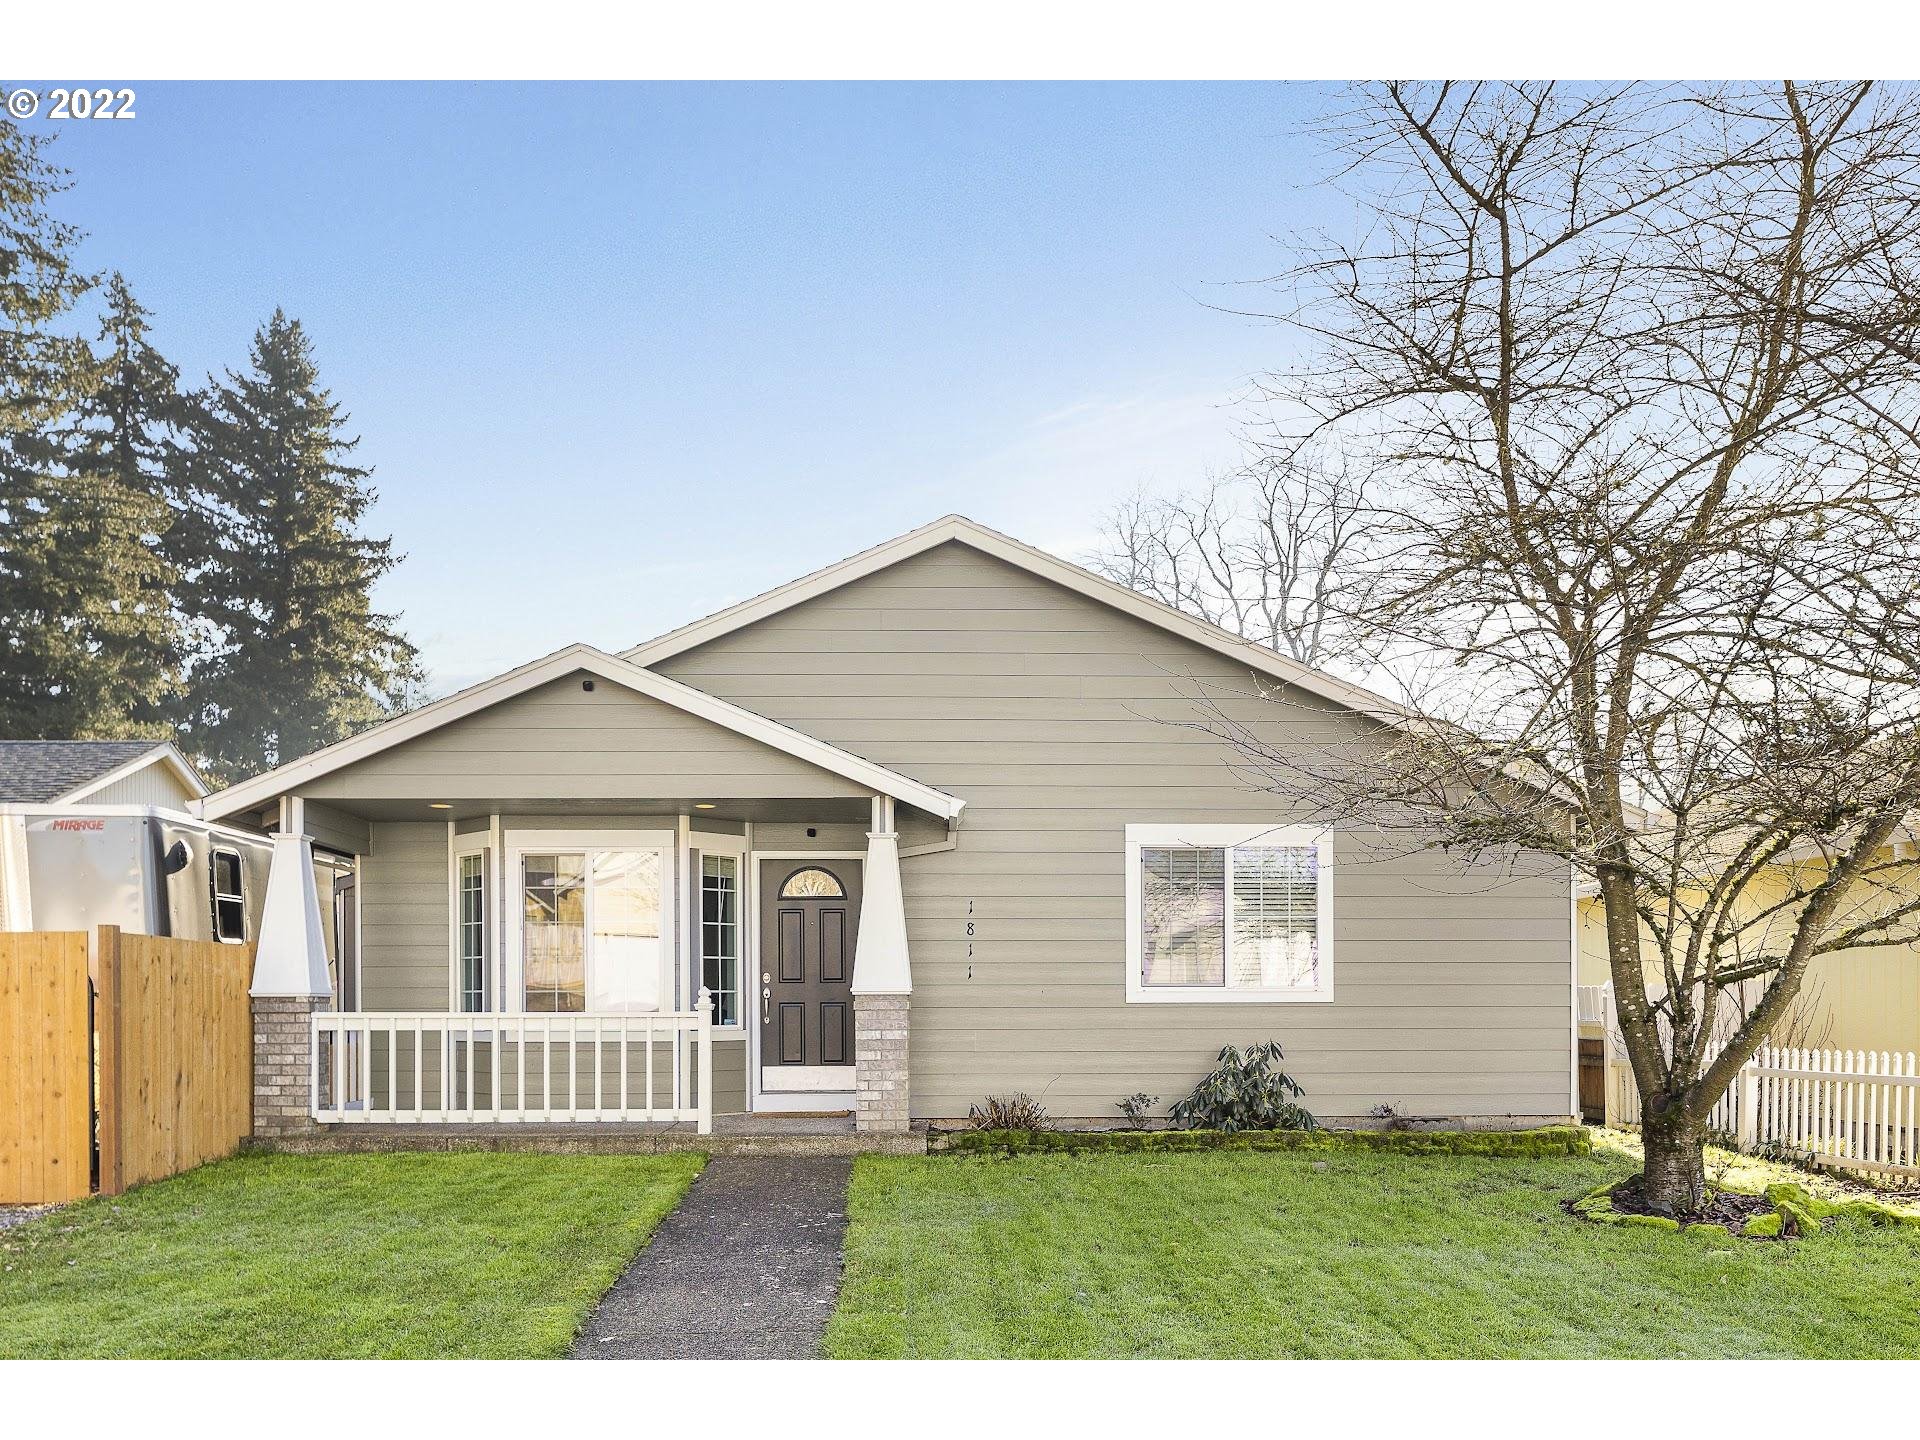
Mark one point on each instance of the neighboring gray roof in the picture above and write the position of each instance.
(35, 770)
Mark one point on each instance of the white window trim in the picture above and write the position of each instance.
(459, 847)
(735, 848)
(521, 843)
(1213, 836)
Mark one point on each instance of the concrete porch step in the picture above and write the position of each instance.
(732, 1135)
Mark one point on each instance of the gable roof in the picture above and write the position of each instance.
(1035, 562)
(56, 771)
(574, 658)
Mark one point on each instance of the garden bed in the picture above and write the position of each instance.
(1545, 1141)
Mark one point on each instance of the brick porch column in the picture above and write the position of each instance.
(289, 982)
(882, 983)
(282, 1063)
(880, 1069)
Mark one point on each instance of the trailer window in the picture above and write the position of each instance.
(229, 898)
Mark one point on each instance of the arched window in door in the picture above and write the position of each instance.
(812, 883)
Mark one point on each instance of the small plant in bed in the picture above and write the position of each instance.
(1136, 1108)
(1247, 1090)
(1008, 1112)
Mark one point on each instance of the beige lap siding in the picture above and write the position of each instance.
(561, 742)
(405, 915)
(1060, 722)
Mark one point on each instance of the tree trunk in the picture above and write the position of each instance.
(1675, 1173)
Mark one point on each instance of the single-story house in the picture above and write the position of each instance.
(944, 820)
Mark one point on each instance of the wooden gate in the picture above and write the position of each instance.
(168, 1053)
(46, 1110)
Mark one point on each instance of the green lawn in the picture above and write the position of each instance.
(1376, 1255)
(345, 1255)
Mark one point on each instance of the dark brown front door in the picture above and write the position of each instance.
(809, 914)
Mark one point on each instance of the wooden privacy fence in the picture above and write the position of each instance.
(157, 1079)
(46, 1064)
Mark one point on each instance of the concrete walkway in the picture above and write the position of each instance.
(746, 1269)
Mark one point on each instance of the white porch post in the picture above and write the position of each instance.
(289, 981)
(882, 984)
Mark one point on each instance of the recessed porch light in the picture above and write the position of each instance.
(438, 805)
(703, 805)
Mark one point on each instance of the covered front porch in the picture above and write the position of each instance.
(581, 903)
(533, 964)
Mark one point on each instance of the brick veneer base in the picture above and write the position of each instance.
(282, 1063)
(880, 1069)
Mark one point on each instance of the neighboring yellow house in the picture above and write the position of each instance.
(1854, 1000)
(1844, 1091)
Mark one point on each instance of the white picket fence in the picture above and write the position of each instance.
(1850, 1109)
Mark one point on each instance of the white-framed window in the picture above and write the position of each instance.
(227, 879)
(1229, 913)
(720, 900)
(593, 932)
(473, 976)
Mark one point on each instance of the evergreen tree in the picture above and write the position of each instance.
(77, 594)
(113, 509)
(279, 572)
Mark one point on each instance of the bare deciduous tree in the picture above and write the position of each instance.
(1276, 552)
(1637, 369)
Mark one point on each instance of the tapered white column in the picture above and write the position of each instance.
(880, 962)
(291, 955)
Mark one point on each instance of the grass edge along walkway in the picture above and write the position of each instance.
(1332, 1255)
(289, 1256)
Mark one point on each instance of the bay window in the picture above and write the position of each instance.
(1226, 913)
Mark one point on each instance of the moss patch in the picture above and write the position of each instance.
(1808, 1212)
(1796, 1212)
(1549, 1140)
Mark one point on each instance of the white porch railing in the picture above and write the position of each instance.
(382, 1069)
(1595, 1004)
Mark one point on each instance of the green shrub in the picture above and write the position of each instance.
(1246, 1091)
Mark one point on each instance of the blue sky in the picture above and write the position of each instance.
(624, 354)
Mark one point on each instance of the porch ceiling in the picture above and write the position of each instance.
(820, 810)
